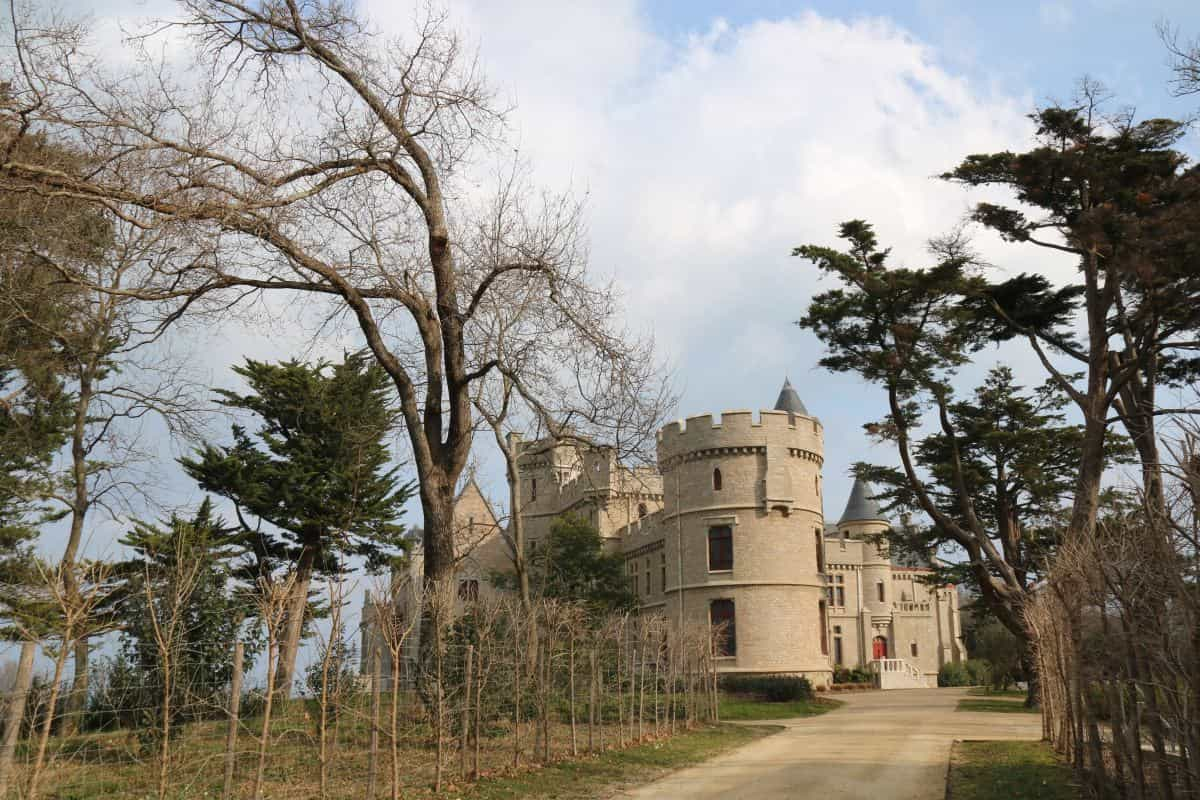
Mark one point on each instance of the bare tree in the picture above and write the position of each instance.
(394, 622)
(75, 600)
(273, 597)
(108, 351)
(354, 187)
(167, 618)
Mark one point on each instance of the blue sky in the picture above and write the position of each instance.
(1020, 44)
(710, 138)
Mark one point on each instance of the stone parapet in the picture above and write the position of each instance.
(705, 436)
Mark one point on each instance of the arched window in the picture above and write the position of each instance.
(717, 479)
(642, 511)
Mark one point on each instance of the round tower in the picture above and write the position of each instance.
(863, 520)
(743, 520)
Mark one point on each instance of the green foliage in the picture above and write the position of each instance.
(972, 672)
(339, 678)
(856, 675)
(770, 688)
(996, 646)
(1117, 192)
(571, 564)
(183, 567)
(316, 471)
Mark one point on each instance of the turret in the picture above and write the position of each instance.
(862, 519)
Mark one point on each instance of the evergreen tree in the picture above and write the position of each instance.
(572, 564)
(316, 473)
(992, 477)
(202, 552)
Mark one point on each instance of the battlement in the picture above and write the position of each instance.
(740, 428)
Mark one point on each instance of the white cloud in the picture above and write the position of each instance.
(706, 158)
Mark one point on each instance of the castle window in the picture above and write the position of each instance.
(724, 626)
(647, 576)
(838, 655)
(663, 566)
(532, 489)
(880, 592)
(642, 511)
(913, 648)
(820, 551)
(823, 620)
(720, 548)
(837, 591)
(468, 590)
(717, 479)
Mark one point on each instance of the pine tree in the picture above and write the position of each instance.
(314, 478)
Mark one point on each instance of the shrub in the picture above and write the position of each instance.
(772, 688)
(954, 674)
(972, 672)
(979, 671)
(856, 675)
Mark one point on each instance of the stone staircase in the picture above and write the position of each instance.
(896, 673)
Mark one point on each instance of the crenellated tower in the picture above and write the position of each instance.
(742, 531)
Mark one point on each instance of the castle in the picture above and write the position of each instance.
(730, 531)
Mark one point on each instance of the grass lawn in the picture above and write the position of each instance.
(601, 775)
(116, 765)
(1007, 771)
(987, 691)
(740, 707)
(1002, 706)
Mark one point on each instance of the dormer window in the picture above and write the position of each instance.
(717, 479)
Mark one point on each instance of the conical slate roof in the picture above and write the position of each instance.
(861, 505)
(789, 401)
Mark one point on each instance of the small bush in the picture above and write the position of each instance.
(972, 672)
(954, 674)
(856, 675)
(979, 671)
(771, 688)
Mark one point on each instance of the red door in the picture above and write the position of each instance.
(879, 648)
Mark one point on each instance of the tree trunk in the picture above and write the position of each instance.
(571, 692)
(394, 721)
(516, 522)
(289, 644)
(231, 731)
(465, 717)
(373, 727)
(44, 734)
(77, 703)
(14, 713)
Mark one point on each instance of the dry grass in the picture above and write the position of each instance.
(117, 765)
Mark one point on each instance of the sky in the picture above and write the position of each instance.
(710, 138)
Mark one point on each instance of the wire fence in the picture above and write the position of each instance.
(494, 688)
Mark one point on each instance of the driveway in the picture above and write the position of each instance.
(891, 745)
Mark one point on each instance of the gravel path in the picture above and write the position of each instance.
(880, 746)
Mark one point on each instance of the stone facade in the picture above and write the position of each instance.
(730, 527)
(805, 597)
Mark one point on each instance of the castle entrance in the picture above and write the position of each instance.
(879, 648)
